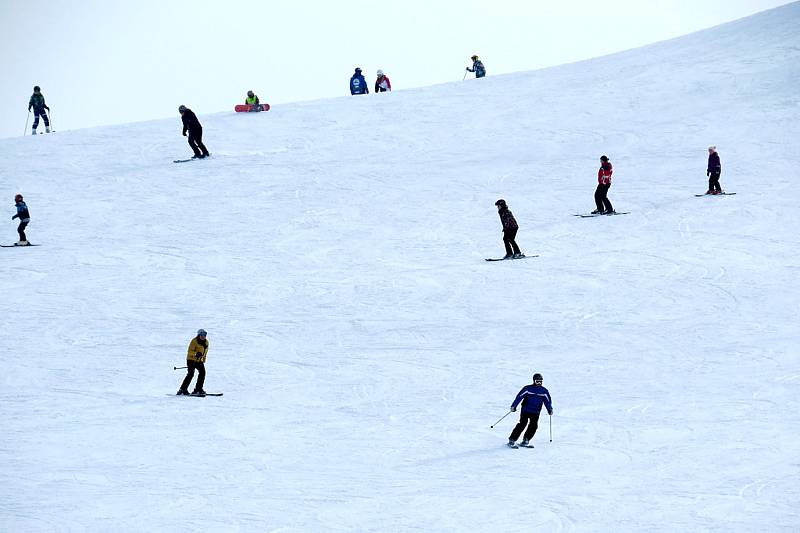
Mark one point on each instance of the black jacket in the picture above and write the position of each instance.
(190, 122)
(508, 220)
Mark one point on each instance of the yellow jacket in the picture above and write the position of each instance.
(197, 350)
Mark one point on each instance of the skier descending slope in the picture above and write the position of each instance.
(477, 67)
(510, 229)
(358, 85)
(604, 206)
(532, 397)
(192, 125)
(24, 217)
(196, 359)
(37, 103)
(713, 171)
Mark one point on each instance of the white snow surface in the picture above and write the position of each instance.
(334, 250)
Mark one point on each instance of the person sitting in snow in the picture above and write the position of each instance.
(252, 101)
(382, 84)
(37, 104)
(477, 67)
(358, 85)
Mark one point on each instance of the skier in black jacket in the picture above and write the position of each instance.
(192, 125)
(510, 228)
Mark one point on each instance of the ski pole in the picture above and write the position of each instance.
(465, 76)
(179, 367)
(26, 123)
(505, 415)
(551, 428)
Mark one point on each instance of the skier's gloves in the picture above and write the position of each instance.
(708, 173)
(184, 134)
(513, 409)
(550, 413)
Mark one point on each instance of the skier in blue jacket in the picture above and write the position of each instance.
(532, 397)
(24, 217)
(358, 85)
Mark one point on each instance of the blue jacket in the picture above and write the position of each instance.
(22, 212)
(358, 85)
(532, 398)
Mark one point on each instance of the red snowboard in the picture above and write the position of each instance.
(245, 108)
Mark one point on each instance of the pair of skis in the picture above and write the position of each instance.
(510, 258)
(16, 245)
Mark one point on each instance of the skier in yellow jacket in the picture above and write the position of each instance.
(196, 359)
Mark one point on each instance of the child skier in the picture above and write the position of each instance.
(24, 217)
(532, 397)
(192, 125)
(510, 228)
(713, 171)
(196, 359)
(37, 103)
(382, 84)
(604, 206)
(477, 67)
(358, 85)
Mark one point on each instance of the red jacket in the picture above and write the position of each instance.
(383, 84)
(604, 174)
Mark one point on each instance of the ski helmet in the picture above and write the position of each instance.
(358, 70)
(603, 158)
(474, 58)
(380, 73)
(537, 377)
(250, 93)
(181, 108)
(18, 197)
(36, 88)
(500, 203)
(712, 148)
(201, 333)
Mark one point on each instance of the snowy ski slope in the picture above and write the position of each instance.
(334, 250)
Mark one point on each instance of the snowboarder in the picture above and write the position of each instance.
(37, 103)
(713, 171)
(604, 206)
(358, 85)
(252, 100)
(477, 67)
(24, 217)
(196, 359)
(382, 84)
(532, 397)
(192, 125)
(510, 228)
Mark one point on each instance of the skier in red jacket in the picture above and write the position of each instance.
(604, 206)
(382, 83)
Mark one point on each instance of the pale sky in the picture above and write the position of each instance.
(103, 62)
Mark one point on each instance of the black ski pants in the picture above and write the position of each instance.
(601, 197)
(526, 419)
(21, 230)
(201, 375)
(196, 142)
(713, 182)
(36, 113)
(508, 241)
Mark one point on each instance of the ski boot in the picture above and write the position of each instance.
(518, 256)
(182, 392)
(199, 392)
(609, 212)
(526, 444)
(597, 212)
(33, 131)
(47, 129)
(512, 444)
(22, 243)
(508, 256)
